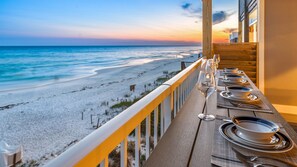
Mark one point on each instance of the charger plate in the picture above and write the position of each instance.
(249, 99)
(280, 144)
(242, 82)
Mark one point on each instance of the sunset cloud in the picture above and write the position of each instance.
(220, 16)
(229, 30)
(186, 6)
(191, 10)
(196, 12)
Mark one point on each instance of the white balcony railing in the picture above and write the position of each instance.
(95, 148)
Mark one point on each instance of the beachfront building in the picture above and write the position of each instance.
(174, 136)
(247, 20)
(276, 35)
(233, 37)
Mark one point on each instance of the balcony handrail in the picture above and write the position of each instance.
(95, 148)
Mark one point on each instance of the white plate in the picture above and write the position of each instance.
(283, 144)
(249, 99)
(272, 141)
(254, 128)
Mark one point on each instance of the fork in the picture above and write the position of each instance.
(236, 104)
(252, 159)
(260, 165)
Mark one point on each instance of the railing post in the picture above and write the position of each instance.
(137, 146)
(124, 153)
(174, 103)
(147, 136)
(177, 98)
(162, 119)
(155, 127)
(194, 78)
(190, 83)
(187, 87)
(181, 95)
(167, 112)
(187, 90)
(183, 98)
(184, 87)
(104, 163)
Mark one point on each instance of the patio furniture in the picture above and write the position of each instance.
(10, 155)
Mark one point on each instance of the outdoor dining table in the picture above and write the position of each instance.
(189, 141)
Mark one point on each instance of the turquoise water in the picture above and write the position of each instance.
(31, 66)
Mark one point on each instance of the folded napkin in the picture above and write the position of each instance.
(223, 155)
(259, 106)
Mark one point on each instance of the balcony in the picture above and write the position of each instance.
(170, 112)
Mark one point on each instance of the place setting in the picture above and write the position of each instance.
(232, 77)
(231, 70)
(251, 141)
(239, 95)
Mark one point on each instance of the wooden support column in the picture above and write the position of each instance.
(261, 49)
(246, 22)
(239, 23)
(207, 28)
(240, 31)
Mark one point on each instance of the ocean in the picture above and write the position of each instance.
(23, 67)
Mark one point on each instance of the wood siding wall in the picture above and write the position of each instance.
(241, 55)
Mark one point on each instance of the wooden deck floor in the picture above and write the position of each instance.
(179, 139)
(188, 140)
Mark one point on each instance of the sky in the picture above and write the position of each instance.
(111, 22)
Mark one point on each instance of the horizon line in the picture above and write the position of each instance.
(131, 45)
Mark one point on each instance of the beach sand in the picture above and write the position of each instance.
(47, 120)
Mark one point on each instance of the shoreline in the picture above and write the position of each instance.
(31, 77)
(95, 72)
(47, 120)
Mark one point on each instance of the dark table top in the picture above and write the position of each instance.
(188, 140)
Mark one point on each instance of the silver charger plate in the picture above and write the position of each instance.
(229, 72)
(242, 82)
(249, 99)
(283, 144)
